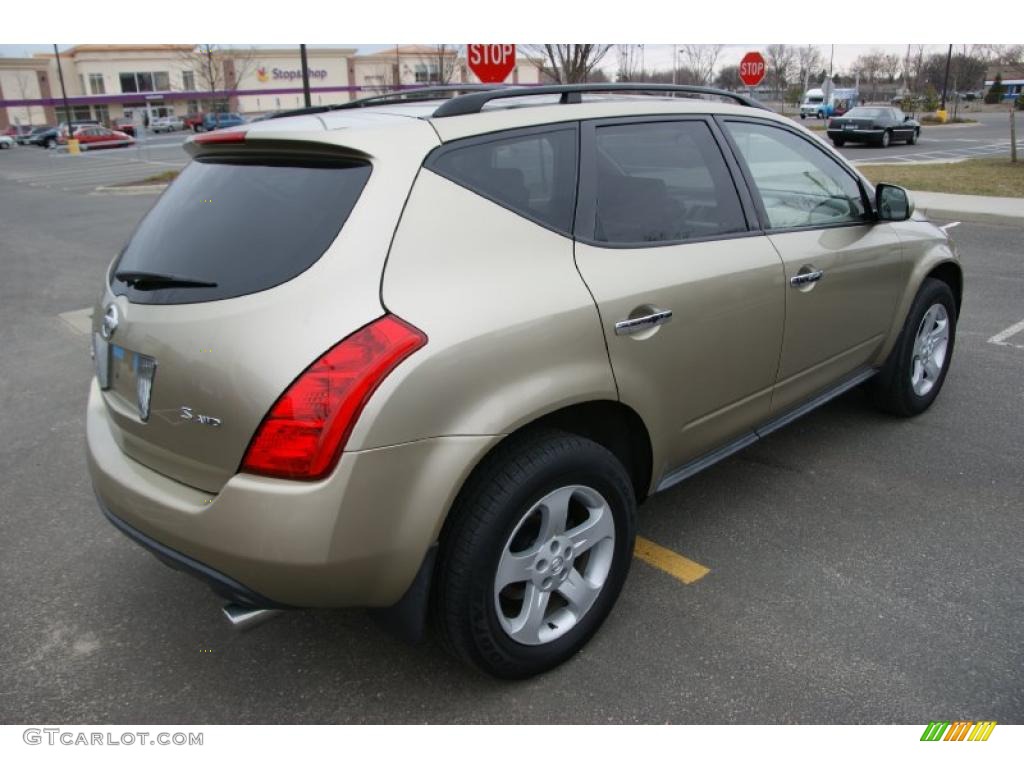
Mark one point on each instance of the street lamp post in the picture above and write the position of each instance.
(945, 79)
(63, 91)
(305, 74)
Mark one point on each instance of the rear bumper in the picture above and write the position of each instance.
(223, 585)
(356, 538)
(863, 134)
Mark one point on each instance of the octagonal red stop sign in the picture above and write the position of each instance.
(491, 63)
(752, 69)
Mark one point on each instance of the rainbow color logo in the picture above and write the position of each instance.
(958, 730)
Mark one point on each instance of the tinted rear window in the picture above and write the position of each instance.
(533, 174)
(244, 225)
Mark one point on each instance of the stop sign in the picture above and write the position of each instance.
(491, 63)
(752, 69)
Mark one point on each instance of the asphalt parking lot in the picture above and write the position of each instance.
(861, 568)
(56, 169)
(989, 135)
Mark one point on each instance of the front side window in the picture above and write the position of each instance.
(662, 182)
(532, 174)
(799, 185)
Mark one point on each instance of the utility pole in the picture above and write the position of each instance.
(305, 74)
(210, 75)
(1013, 130)
(675, 66)
(945, 79)
(67, 109)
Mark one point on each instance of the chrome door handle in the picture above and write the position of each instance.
(637, 324)
(807, 277)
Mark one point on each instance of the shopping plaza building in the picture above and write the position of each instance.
(105, 82)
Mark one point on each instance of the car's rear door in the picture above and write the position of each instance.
(691, 294)
(844, 269)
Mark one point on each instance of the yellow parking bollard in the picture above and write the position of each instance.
(940, 115)
(73, 148)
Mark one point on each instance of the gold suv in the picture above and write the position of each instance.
(427, 354)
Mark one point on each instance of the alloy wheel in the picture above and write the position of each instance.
(554, 565)
(930, 346)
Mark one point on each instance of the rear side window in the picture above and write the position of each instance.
(246, 226)
(663, 182)
(533, 174)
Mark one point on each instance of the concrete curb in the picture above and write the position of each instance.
(135, 189)
(979, 209)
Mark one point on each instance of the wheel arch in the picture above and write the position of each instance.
(609, 423)
(939, 262)
(952, 275)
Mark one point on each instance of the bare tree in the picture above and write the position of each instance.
(869, 68)
(780, 60)
(568, 63)
(1005, 55)
(808, 62)
(442, 64)
(217, 69)
(701, 61)
(631, 62)
(21, 81)
(913, 68)
(728, 77)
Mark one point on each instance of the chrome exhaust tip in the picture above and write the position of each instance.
(242, 617)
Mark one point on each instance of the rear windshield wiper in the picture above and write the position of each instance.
(149, 281)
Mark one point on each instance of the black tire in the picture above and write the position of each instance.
(891, 389)
(912, 138)
(885, 139)
(483, 520)
(51, 143)
(838, 142)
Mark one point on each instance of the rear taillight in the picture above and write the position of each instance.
(306, 430)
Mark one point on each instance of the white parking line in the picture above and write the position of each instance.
(1001, 337)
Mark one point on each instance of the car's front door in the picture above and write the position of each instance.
(690, 293)
(844, 269)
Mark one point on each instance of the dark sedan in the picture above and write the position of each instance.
(873, 125)
(27, 138)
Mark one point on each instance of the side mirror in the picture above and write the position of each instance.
(892, 203)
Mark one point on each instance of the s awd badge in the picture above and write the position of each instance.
(187, 415)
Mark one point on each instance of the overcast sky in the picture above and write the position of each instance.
(656, 56)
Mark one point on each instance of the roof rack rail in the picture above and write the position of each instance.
(404, 95)
(472, 103)
(400, 96)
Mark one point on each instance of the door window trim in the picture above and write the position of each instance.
(765, 225)
(586, 198)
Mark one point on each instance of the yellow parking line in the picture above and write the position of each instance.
(682, 568)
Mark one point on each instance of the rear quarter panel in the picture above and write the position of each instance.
(513, 331)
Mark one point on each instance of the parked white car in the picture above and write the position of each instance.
(6, 142)
(162, 124)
